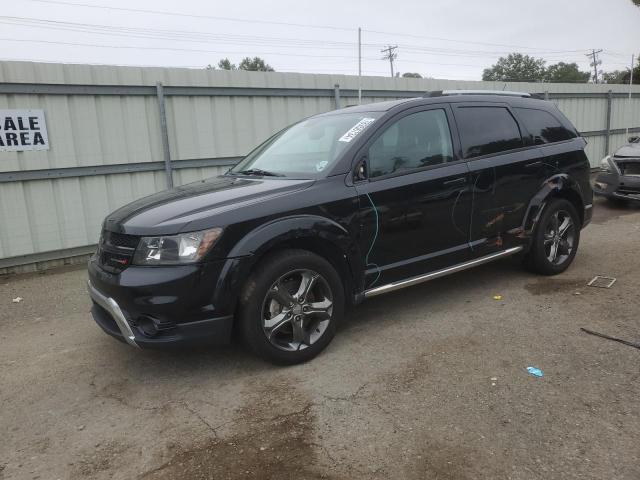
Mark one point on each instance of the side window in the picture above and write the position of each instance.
(487, 130)
(418, 140)
(543, 127)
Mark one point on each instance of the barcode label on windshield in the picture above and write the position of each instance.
(356, 130)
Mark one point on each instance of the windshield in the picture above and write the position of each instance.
(307, 149)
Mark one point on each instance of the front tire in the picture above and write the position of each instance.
(556, 238)
(290, 306)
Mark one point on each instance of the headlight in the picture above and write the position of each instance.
(175, 249)
(605, 166)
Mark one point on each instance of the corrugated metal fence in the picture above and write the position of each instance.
(119, 133)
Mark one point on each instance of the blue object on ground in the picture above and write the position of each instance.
(536, 372)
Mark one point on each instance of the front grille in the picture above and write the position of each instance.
(628, 167)
(114, 262)
(116, 250)
(121, 240)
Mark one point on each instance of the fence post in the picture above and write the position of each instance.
(546, 95)
(607, 139)
(165, 135)
(336, 95)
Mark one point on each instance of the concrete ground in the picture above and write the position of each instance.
(425, 383)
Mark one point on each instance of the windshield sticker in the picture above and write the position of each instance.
(356, 129)
(321, 165)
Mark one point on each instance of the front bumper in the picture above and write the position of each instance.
(612, 185)
(162, 306)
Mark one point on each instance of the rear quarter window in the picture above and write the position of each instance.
(543, 127)
(487, 130)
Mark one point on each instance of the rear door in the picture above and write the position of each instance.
(506, 171)
(415, 199)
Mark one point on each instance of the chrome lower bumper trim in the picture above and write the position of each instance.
(439, 273)
(111, 306)
(631, 196)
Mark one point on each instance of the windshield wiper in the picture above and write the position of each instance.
(259, 171)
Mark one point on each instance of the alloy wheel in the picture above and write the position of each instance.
(559, 237)
(297, 310)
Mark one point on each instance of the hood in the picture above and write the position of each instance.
(629, 150)
(172, 211)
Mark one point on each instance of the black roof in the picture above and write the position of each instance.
(493, 98)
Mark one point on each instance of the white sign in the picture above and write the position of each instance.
(22, 130)
(356, 129)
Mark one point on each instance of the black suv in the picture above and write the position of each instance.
(340, 207)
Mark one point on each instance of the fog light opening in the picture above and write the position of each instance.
(147, 326)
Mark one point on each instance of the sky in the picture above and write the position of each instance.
(451, 39)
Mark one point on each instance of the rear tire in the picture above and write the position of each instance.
(290, 306)
(555, 239)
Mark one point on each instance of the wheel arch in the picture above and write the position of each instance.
(320, 235)
(557, 186)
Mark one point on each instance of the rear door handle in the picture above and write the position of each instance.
(455, 181)
(533, 164)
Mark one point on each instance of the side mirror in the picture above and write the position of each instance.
(634, 139)
(361, 173)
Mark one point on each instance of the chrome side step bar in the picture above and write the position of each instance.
(390, 287)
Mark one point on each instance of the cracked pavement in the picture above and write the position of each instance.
(406, 389)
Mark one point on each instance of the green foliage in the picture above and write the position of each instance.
(416, 75)
(617, 76)
(255, 64)
(622, 76)
(566, 73)
(225, 64)
(516, 67)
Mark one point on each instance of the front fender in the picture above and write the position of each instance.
(246, 252)
(267, 235)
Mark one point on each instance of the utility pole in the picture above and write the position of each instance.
(594, 63)
(629, 116)
(391, 55)
(359, 66)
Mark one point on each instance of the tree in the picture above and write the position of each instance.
(255, 64)
(622, 76)
(617, 76)
(225, 64)
(416, 75)
(566, 73)
(516, 68)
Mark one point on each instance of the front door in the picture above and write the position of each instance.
(415, 201)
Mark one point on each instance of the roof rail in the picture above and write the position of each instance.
(443, 93)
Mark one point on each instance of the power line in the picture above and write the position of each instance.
(197, 50)
(459, 41)
(270, 22)
(206, 37)
(189, 15)
(180, 35)
(133, 47)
